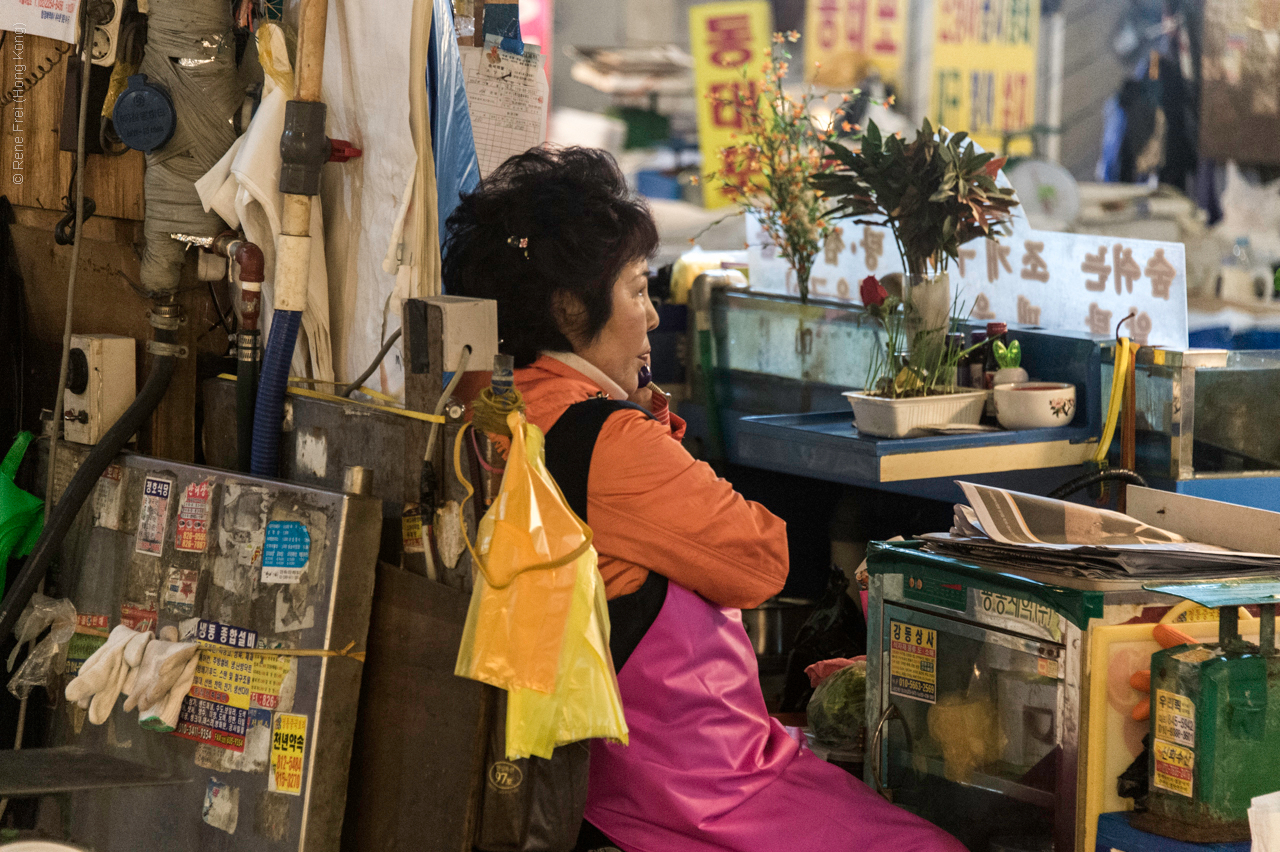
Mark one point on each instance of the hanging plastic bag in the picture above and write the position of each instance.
(837, 710)
(21, 514)
(50, 655)
(538, 624)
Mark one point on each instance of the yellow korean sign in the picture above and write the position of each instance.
(288, 751)
(1175, 718)
(846, 40)
(913, 662)
(1175, 768)
(731, 49)
(984, 68)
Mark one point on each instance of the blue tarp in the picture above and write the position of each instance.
(452, 141)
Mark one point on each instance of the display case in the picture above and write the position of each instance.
(1200, 421)
(978, 694)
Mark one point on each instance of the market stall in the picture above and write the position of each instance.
(382, 476)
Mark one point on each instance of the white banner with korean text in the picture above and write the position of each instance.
(1054, 280)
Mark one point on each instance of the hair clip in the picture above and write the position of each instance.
(521, 243)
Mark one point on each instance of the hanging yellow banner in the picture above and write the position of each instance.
(731, 50)
(984, 69)
(847, 40)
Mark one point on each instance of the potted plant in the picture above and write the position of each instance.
(771, 168)
(908, 391)
(934, 194)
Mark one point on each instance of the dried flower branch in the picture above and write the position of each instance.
(770, 170)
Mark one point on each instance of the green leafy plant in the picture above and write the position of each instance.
(837, 710)
(931, 366)
(935, 193)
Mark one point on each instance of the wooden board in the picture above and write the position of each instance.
(419, 749)
(114, 183)
(106, 304)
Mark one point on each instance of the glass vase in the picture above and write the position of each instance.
(926, 303)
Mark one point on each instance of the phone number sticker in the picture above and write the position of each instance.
(913, 662)
(1175, 718)
(1175, 767)
(288, 751)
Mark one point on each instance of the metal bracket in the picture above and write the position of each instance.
(873, 756)
(170, 350)
(169, 323)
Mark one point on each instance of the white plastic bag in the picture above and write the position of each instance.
(51, 654)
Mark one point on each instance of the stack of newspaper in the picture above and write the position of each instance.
(1007, 528)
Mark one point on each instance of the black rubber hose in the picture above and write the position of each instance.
(377, 359)
(1081, 482)
(82, 484)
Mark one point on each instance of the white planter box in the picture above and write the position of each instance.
(911, 417)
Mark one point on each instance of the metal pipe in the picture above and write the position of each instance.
(248, 260)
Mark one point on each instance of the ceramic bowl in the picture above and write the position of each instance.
(1035, 405)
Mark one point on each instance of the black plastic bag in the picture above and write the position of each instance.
(836, 628)
(531, 804)
(1133, 783)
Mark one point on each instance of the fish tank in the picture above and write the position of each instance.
(1204, 413)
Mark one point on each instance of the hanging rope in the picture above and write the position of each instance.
(489, 411)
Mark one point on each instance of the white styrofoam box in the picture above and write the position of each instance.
(468, 322)
(110, 386)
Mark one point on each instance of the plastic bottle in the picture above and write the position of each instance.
(956, 376)
(974, 360)
(1236, 277)
(996, 331)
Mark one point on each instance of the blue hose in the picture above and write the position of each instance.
(268, 413)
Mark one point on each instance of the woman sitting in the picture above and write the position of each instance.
(555, 237)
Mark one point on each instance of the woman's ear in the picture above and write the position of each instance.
(570, 316)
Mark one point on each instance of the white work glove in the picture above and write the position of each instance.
(163, 716)
(133, 654)
(163, 663)
(101, 677)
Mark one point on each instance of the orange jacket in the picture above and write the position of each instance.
(653, 507)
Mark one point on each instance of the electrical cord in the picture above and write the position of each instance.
(444, 400)
(377, 359)
(40, 71)
(1081, 482)
(56, 430)
(217, 306)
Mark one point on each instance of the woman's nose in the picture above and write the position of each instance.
(652, 314)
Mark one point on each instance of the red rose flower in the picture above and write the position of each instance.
(873, 295)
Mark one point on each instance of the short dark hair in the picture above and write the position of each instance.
(583, 226)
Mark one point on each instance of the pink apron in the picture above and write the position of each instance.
(708, 770)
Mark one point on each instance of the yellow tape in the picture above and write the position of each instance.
(1118, 377)
(329, 397)
(265, 652)
(367, 391)
(298, 652)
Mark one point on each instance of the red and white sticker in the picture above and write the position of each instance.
(154, 517)
(191, 533)
(138, 617)
(106, 498)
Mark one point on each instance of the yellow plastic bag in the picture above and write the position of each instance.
(538, 624)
